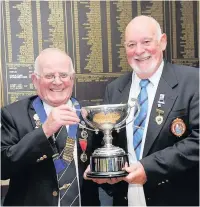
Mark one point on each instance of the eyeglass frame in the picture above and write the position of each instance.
(52, 79)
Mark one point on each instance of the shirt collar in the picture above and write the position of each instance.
(155, 78)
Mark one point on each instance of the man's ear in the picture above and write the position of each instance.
(34, 80)
(163, 41)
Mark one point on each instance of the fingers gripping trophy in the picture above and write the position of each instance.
(108, 161)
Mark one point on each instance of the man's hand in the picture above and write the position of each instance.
(101, 180)
(136, 174)
(60, 116)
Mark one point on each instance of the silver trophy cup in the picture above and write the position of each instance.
(108, 161)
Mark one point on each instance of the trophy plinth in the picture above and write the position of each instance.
(107, 161)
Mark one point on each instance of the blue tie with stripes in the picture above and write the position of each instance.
(68, 183)
(139, 122)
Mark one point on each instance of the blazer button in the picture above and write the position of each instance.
(125, 197)
(55, 193)
(38, 160)
(44, 156)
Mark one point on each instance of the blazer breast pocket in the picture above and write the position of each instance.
(177, 113)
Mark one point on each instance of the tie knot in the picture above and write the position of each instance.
(144, 83)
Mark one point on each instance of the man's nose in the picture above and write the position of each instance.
(139, 49)
(57, 80)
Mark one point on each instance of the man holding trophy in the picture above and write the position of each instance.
(42, 151)
(155, 161)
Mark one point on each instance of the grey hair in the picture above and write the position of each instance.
(36, 63)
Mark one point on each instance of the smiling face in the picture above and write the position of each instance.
(58, 90)
(144, 49)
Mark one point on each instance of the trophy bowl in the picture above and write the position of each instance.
(107, 161)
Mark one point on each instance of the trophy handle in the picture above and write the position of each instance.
(117, 126)
(131, 104)
(82, 126)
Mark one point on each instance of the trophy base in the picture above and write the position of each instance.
(107, 174)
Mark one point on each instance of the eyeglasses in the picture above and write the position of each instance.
(51, 77)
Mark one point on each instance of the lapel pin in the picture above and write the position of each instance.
(37, 120)
(159, 117)
(161, 100)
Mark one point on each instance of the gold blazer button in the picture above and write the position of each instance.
(55, 193)
(44, 156)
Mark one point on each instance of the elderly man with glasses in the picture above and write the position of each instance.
(40, 149)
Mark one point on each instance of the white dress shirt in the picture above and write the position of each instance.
(48, 109)
(135, 191)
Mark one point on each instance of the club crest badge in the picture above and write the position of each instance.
(178, 127)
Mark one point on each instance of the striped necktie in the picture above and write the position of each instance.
(67, 178)
(139, 122)
(68, 185)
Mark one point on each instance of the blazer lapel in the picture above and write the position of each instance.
(166, 86)
(32, 112)
(124, 89)
(119, 139)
